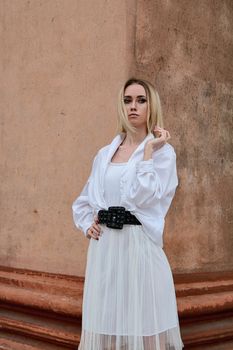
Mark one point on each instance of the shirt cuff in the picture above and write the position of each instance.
(145, 166)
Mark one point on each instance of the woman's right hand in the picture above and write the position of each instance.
(94, 230)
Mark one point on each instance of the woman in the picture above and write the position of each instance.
(129, 299)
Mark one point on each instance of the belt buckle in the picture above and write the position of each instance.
(116, 217)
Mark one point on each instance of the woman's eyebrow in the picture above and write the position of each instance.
(137, 96)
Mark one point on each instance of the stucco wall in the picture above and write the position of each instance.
(62, 64)
(186, 47)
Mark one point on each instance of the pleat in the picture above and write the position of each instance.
(129, 299)
(168, 340)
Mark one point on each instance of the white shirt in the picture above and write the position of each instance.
(112, 182)
(147, 187)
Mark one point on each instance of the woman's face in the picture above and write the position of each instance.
(136, 104)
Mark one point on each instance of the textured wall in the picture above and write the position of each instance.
(187, 49)
(61, 66)
(62, 63)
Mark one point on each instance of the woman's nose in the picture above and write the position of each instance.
(133, 104)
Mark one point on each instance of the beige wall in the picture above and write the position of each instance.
(62, 63)
(186, 47)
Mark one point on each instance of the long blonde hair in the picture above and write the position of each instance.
(154, 112)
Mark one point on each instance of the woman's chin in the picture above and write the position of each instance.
(135, 122)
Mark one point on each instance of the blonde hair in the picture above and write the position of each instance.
(154, 111)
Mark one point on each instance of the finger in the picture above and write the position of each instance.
(95, 237)
(163, 135)
(93, 230)
(157, 131)
(96, 227)
(158, 128)
(157, 134)
(93, 234)
(97, 231)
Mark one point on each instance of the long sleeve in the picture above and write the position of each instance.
(154, 179)
(83, 213)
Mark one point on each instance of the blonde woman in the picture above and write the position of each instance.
(129, 299)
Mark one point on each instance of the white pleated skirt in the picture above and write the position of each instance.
(129, 300)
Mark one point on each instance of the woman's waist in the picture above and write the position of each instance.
(116, 217)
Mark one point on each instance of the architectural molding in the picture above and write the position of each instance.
(44, 310)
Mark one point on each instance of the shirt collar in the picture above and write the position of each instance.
(119, 138)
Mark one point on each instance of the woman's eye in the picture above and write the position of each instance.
(139, 100)
(142, 100)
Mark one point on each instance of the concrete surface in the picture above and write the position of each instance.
(62, 64)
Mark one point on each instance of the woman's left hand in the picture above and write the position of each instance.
(162, 136)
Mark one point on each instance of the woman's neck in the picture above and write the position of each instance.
(134, 139)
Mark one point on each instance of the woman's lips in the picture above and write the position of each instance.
(133, 115)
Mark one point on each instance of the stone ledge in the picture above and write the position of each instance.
(47, 307)
(57, 303)
(39, 306)
(43, 291)
(33, 330)
(9, 341)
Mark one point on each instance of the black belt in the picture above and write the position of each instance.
(116, 217)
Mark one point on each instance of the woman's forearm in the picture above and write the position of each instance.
(148, 151)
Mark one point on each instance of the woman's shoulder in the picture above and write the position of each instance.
(103, 150)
